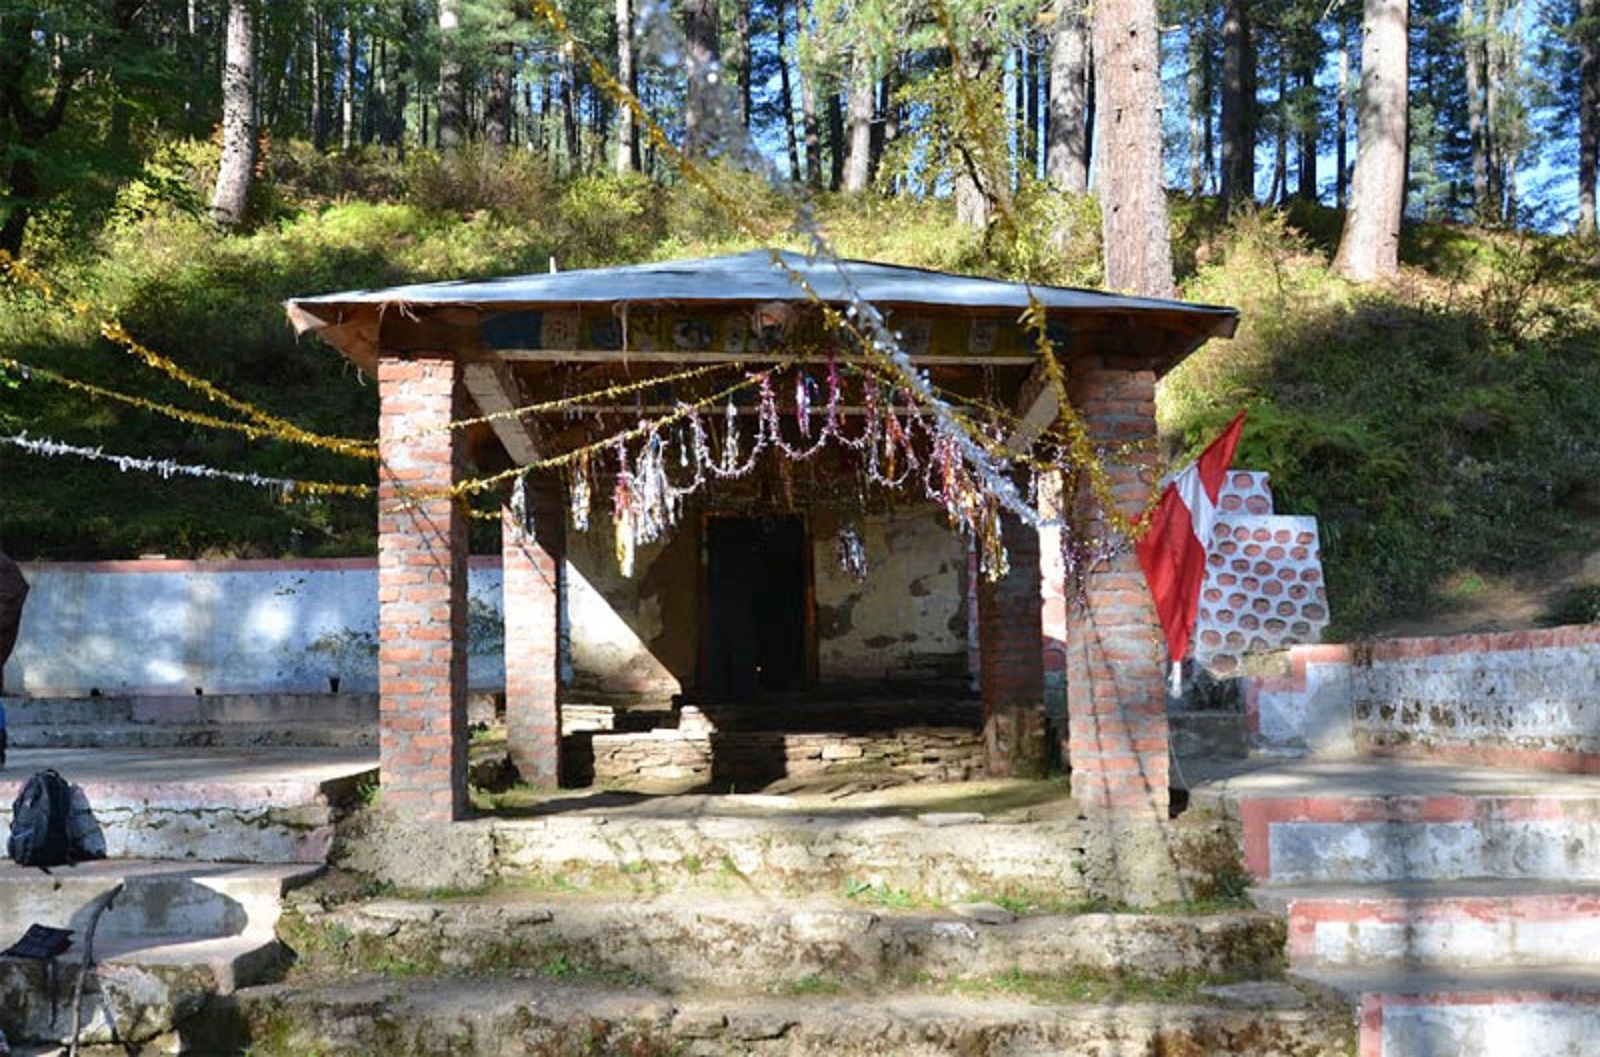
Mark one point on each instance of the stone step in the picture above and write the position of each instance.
(159, 899)
(288, 734)
(727, 940)
(1472, 1013)
(239, 805)
(1439, 924)
(1363, 821)
(1208, 734)
(190, 709)
(520, 1015)
(174, 937)
(770, 844)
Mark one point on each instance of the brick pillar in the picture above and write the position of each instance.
(531, 568)
(1053, 602)
(1011, 668)
(1116, 695)
(422, 590)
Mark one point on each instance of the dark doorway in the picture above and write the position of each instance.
(756, 602)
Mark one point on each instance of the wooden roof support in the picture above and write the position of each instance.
(1039, 408)
(494, 389)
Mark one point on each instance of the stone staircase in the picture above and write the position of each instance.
(739, 925)
(1457, 908)
(203, 845)
(194, 721)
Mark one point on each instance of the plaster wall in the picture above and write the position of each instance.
(631, 636)
(236, 627)
(1525, 698)
(1518, 698)
(241, 627)
(908, 619)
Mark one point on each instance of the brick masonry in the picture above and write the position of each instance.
(1263, 588)
(1117, 738)
(422, 590)
(531, 570)
(750, 759)
(1011, 663)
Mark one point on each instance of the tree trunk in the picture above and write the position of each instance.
(1032, 138)
(452, 119)
(1066, 154)
(703, 33)
(1280, 147)
(1588, 115)
(1238, 106)
(1194, 80)
(863, 94)
(1308, 130)
(836, 145)
(1370, 246)
(497, 108)
(347, 90)
(1133, 206)
(1341, 141)
(886, 131)
(786, 96)
(319, 112)
(378, 93)
(977, 179)
(236, 176)
(808, 122)
(627, 159)
(23, 130)
(1480, 77)
(569, 110)
(741, 60)
(197, 63)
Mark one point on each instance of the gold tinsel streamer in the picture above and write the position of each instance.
(115, 332)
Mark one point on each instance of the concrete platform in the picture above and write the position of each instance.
(512, 1015)
(720, 941)
(175, 936)
(195, 720)
(1552, 1011)
(1439, 925)
(234, 805)
(1365, 820)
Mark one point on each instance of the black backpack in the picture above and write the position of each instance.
(41, 822)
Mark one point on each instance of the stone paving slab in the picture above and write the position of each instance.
(740, 941)
(254, 805)
(1220, 783)
(233, 775)
(504, 1015)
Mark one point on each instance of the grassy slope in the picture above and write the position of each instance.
(1441, 428)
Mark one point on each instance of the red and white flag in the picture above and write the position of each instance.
(1172, 551)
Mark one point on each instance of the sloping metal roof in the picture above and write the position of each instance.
(348, 320)
(752, 276)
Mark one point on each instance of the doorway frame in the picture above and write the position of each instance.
(808, 590)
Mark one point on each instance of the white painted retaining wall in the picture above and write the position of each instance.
(234, 627)
(1519, 699)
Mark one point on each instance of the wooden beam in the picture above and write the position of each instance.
(711, 412)
(494, 389)
(732, 358)
(1039, 409)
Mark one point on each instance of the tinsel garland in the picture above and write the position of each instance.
(287, 488)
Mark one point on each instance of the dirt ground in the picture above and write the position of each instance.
(1478, 603)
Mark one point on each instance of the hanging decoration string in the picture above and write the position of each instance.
(575, 402)
(875, 341)
(30, 372)
(286, 487)
(113, 330)
(1080, 449)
